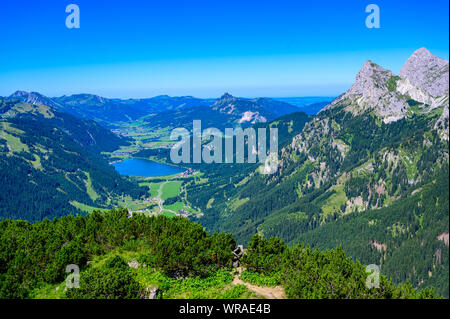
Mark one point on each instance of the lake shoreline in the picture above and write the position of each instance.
(140, 167)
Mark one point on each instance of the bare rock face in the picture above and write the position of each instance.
(374, 90)
(371, 80)
(134, 264)
(427, 72)
(33, 98)
(421, 88)
(247, 110)
(424, 79)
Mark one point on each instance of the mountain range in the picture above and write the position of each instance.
(110, 112)
(368, 172)
(55, 145)
(227, 111)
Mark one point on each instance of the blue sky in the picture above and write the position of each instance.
(138, 48)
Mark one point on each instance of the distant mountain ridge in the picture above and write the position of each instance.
(109, 111)
(226, 112)
(34, 98)
(245, 110)
(263, 105)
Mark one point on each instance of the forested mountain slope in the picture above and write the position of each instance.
(373, 147)
(51, 163)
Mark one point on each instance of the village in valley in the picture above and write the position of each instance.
(166, 197)
(166, 193)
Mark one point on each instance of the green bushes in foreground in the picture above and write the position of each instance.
(174, 255)
(113, 281)
(36, 254)
(307, 273)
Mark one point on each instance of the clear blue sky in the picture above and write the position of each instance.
(138, 48)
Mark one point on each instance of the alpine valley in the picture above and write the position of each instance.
(363, 181)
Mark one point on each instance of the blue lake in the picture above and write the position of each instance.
(143, 167)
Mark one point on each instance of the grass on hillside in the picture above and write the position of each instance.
(90, 189)
(175, 206)
(218, 285)
(261, 279)
(171, 189)
(153, 187)
(334, 202)
(86, 208)
(14, 143)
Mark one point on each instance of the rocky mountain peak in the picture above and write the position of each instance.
(227, 96)
(248, 110)
(370, 79)
(373, 90)
(427, 72)
(34, 98)
(226, 100)
(19, 94)
(423, 80)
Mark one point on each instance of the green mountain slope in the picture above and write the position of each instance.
(373, 147)
(407, 238)
(51, 162)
